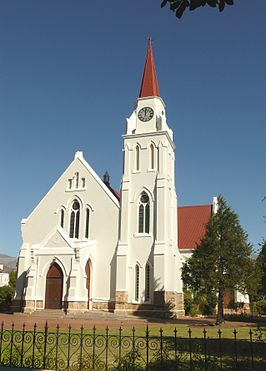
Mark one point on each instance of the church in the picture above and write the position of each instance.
(88, 247)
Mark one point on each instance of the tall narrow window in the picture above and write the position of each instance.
(62, 217)
(74, 220)
(77, 180)
(137, 157)
(147, 282)
(144, 213)
(152, 156)
(137, 282)
(87, 223)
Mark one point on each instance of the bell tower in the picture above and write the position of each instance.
(148, 260)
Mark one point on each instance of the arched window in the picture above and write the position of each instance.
(74, 220)
(137, 282)
(144, 213)
(87, 223)
(152, 156)
(62, 217)
(137, 164)
(147, 281)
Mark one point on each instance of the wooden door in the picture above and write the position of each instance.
(88, 280)
(54, 287)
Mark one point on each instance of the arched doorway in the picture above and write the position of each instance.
(88, 280)
(54, 287)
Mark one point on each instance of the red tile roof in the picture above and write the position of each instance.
(149, 85)
(192, 222)
(114, 192)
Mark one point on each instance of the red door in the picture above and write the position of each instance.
(88, 281)
(54, 287)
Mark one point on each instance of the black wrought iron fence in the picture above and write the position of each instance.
(123, 349)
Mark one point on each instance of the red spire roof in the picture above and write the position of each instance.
(149, 85)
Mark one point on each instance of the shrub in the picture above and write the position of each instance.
(6, 296)
(261, 306)
(188, 301)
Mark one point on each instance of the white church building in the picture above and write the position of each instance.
(87, 247)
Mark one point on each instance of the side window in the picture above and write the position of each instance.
(87, 223)
(144, 213)
(137, 159)
(147, 282)
(137, 282)
(74, 220)
(152, 156)
(62, 218)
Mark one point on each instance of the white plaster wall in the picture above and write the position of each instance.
(45, 241)
(4, 279)
(159, 246)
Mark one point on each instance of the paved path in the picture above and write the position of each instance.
(102, 320)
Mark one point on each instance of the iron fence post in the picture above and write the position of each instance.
(22, 345)
(190, 348)
(106, 346)
(81, 346)
(133, 346)
(220, 348)
(120, 345)
(235, 341)
(175, 342)
(251, 350)
(1, 340)
(33, 344)
(161, 348)
(68, 347)
(11, 344)
(205, 349)
(45, 343)
(93, 348)
(147, 347)
(56, 346)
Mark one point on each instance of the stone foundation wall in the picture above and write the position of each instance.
(166, 304)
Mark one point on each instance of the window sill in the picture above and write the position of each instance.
(137, 235)
(76, 189)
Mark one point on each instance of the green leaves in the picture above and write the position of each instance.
(222, 261)
(179, 6)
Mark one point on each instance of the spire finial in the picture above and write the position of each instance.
(106, 178)
(149, 85)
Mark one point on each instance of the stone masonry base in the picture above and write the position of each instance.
(166, 304)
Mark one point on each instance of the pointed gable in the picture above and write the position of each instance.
(149, 85)
(192, 221)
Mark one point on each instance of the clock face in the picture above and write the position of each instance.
(146, 114)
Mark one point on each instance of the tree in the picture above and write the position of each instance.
(179, 6)
(222, 261)
(12, 279)
(261, 267)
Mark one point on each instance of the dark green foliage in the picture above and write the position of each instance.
(179, 6)
(12, 279)
(222, 261)
(199, 303)
(6, 296)
(260, 306)
(261, 267)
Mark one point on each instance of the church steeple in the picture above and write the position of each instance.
(149, 85)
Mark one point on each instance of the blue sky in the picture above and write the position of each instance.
(70, 71)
